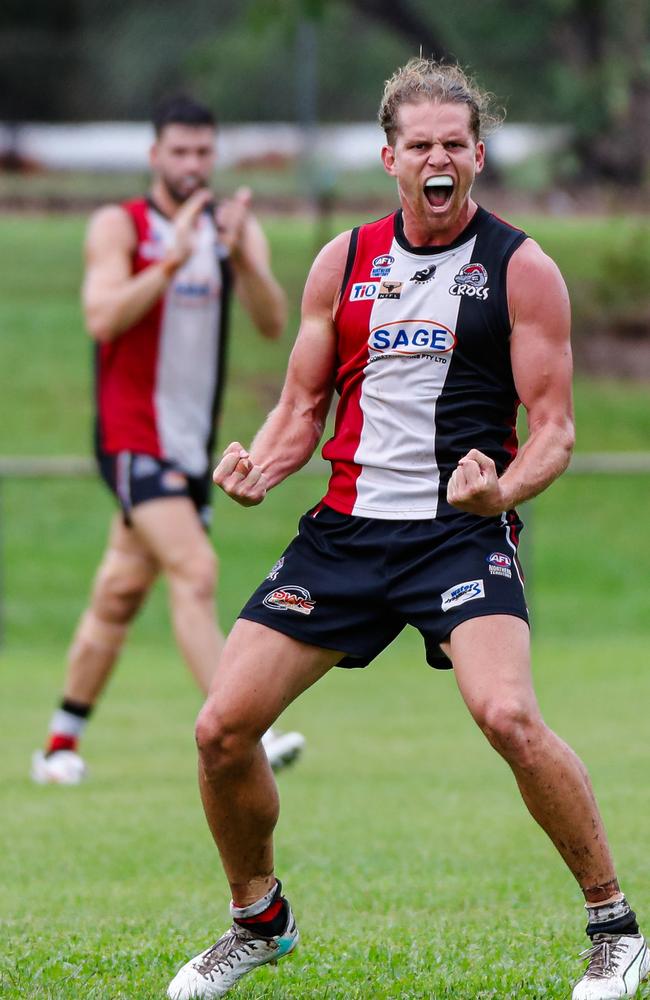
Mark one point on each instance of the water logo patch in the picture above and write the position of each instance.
(461, 593)
(290, 598)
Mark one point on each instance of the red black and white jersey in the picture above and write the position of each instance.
(423, 367)
(158, 384)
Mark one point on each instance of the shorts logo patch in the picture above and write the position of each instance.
(290, 598)
(144, 466)
(273, 575)
(499, 564)
(471, 590)
(173, 480)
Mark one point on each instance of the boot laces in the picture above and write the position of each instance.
(232, 946)
(602, 956)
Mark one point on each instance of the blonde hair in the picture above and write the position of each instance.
(443, 83)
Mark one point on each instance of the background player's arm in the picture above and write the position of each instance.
(293, 429)
(255, 285)
(541, 363)
(113, 297)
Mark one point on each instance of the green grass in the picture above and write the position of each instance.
(413, 867)
(412, 864)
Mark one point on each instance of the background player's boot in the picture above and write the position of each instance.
(238, 951)
(62, 767)
(616, 964)
(282, 749)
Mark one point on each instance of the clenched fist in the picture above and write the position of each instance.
(239, 478)
(474, 486)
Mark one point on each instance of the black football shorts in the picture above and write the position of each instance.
(135, 478)
(353, 583)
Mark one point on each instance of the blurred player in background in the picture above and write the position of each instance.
(431, 324)
(159, 272)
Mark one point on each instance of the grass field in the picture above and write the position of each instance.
(413, 867)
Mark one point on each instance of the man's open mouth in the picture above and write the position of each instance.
(438, 190)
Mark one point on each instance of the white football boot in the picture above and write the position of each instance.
(215, 971)
(282, 749)
(63, 767)
(616, 964)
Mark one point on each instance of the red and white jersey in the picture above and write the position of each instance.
(158, 384)
(423, 367)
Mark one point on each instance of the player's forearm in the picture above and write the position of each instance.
(109, 312)
(541, 460)
(262, 296)
(288, 439)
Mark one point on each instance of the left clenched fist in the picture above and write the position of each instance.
(474, 486)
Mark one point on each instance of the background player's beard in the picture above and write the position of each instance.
(181, 194)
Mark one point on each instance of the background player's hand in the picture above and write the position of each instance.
(239, 478)
(474, 486)
(185, 226)
(231, 218)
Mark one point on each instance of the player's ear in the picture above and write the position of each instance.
(480, 156)
(388, 159)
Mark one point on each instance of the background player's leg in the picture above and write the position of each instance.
(492, 666)
(172, 531)
(122, 581)
(260, 673)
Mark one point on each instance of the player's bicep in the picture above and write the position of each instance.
(109, 246)
(540, 344)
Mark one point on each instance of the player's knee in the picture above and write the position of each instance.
(196, 576)
(119, 592)
(513, 727)
(223, 742)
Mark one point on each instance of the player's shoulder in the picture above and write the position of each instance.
(530, 262)
(112, 222)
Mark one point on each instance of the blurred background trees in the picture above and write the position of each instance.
(585, 63)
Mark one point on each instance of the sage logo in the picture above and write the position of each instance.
(412, 336)
(471, 281)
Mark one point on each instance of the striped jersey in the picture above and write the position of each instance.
(158, 384)
(423, 367)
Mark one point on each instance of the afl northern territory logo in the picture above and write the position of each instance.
(471, 281)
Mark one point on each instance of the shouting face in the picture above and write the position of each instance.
(434, 159)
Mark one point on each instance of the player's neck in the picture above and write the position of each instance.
(427, 233)
(163, 200)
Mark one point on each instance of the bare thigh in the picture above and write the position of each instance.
(260, 672)
(172, 532)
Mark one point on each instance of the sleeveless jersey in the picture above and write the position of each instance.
(423, 367)
(158, 384)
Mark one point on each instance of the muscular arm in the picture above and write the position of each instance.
(255, 286)
(541, 364)
(293, 429)
(114, 298)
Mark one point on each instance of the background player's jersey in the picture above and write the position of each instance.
(158, 384)
(423, 367)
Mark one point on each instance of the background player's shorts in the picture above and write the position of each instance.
(135, 478)
(352, 583)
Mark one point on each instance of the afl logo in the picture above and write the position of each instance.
(499, 559)
(471, 281)
(384, 261)
(412, 336)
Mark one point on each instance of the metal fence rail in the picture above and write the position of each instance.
(70, 466)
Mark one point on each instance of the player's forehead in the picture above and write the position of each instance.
(177, 136)
(433, 118)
